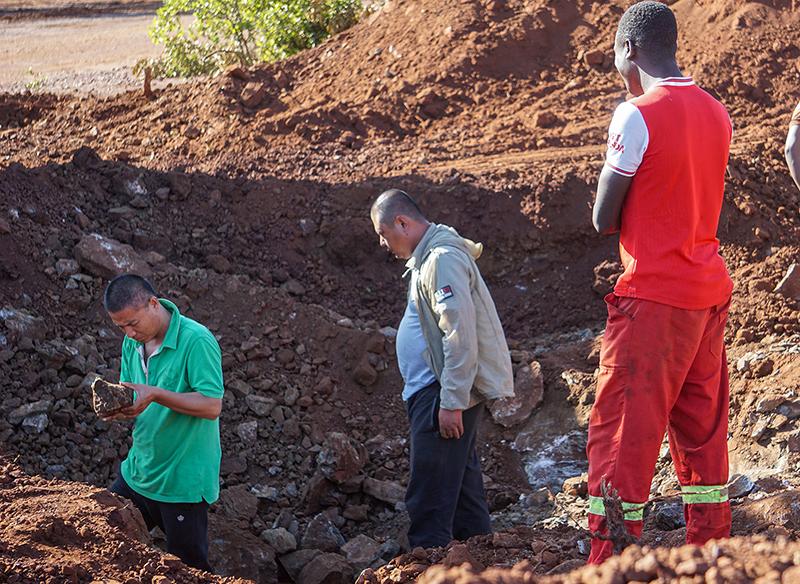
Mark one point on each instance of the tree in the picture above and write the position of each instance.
(204, 36)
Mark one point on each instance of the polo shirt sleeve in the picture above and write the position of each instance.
(628, 138)
(204, 367)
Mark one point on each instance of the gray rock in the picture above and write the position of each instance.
(361, 551)
(67, 267)
(386, 491)
(390, 549)
(26, 410)
(239, 388)
(322, 534)
(265, 492)
(740, 486)
(36, 423)
(260, 405)
(248, 432)
(280, 540)
(669, 515)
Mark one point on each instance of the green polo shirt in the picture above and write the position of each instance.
(175, 458)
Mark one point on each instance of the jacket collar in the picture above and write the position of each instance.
(422, 248)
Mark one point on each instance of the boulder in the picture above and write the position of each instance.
(238, 503)
(740, 486)
(294, 562)
(236, 552)
(361, 551)
(789, 286)
(248, 432)
(22, 325)
(259, 405)
(340, 459)
(364, 373)
(280, 540)
(327, 569)
(431, 104)
(107, 258)
(36, 423)
(594, 58)
(528, 394)
(386, 491)
(26, 410)
(219, 263)
(253, 94)
(321, 534)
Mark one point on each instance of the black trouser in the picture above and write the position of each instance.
(184, 524)
(445, 497)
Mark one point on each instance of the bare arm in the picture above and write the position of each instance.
(191, 404)
(612, 188)
(793, 152)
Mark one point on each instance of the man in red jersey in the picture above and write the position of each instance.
(793, 146)
(663, 364)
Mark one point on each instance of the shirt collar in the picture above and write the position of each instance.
(674, 82)
(171, 338)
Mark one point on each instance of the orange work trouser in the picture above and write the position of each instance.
(661, 368)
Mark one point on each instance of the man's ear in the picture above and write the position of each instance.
(629, 50)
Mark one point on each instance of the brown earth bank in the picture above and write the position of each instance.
(245, 197)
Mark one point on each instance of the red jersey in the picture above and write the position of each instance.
(674, 141)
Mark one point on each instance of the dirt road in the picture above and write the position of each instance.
(64, 47)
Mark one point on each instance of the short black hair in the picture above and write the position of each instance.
(650, 26)
(395, 202)
(125, 291)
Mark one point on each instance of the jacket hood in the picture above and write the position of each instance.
(443, 236)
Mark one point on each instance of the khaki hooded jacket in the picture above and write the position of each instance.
(466, 346)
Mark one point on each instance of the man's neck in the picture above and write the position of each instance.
(165, 317)
(423, 229)
(651, 74)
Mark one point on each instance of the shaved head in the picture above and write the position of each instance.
(126, 291)
(394, 203)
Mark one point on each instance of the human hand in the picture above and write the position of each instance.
(145, 395)
(450, 424)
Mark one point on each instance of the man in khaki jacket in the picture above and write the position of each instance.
(453, 356)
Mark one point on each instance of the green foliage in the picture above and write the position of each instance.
(35, 82)
(204, 36)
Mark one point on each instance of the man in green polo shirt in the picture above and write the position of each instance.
(174, 366)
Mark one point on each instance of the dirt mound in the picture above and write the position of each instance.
(56, 531)
(736, 560)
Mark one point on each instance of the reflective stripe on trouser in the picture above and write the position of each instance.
(630, 511)
(661, 368)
